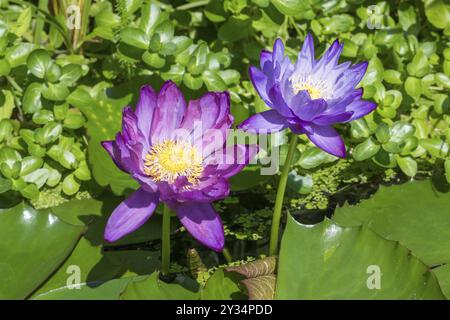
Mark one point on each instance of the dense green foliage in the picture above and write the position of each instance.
(62, 91)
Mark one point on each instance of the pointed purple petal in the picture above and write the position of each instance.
(130, 129)
(202, 222)
(210, 106)
(144, 110)
(114, 153)
(264, 122)
(327, 120)
(327, 139)
(278, 101)
(341, 104)
(333, 53)
(349, 79)
(108, 145)
(207, 121)
(192, 116)
(213, 108)
(278, 51)
(169, 112)
(306, 59)
(360, 108)
(121, 148)
(265, 57)
(130, 214)
(223, 103)
(259, 81)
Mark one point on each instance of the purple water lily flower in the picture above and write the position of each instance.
(173, 151)
(309, 96)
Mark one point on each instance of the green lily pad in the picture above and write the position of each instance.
(222, 285)
(414, 213)
(34, 244)
(151, 288)
(327, 261)
(109, 290)
(443, 275)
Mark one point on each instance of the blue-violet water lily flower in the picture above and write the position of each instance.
(166, 146)
(309, 96)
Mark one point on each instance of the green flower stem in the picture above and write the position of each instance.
(273, 247)
(165, 250)
(14, 84)
(226, 253)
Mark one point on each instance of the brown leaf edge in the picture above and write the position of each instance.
(260, 277)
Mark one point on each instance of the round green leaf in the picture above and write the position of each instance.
(408, 165)
(34, 245)
(385, 159)
(401, 131)
(134, 37)
(43, 116)
(70, 74)
(300, 184)
(29, 164)
(435, 146)
(30, 191)
(192, 82)
(38, 177)
(438, 13)
(382, 133)
(365, 150)
(70, 185)
(413, 87)
(53, 73)
(39, 62)
(55, 91)
(8, 106)
(198, 60)
(313, 157)
(5, 185)
(392, 76)
(213, 81)
(18, 54)
(48, 134)
(32, 98)
(74, 119)
(153, 60)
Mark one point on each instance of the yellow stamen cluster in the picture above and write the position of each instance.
(168, 160)
(314, 93)
(317, 89)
